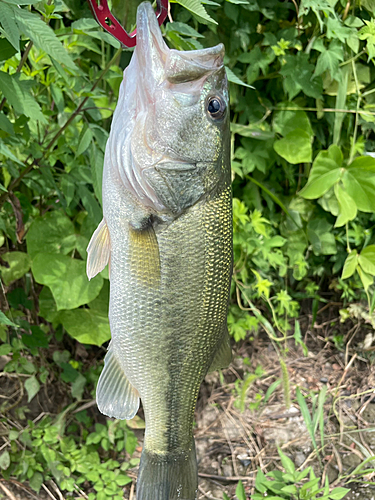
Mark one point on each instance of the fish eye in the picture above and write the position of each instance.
(216, 107)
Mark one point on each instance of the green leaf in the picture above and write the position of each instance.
(32, 387)
(85, 24)
(338, 493)
(196, 8)
(367, 279)
(122, 480)
(85, 140)
(101, 304)
(21, 2)
(290, 489)
(298, 75)
(295, 147)
(97, 164)
(286, 121)
(10, 26)
(19, 264)
(68, 188)
(359, 182)
(251, 132)
(232, 77)
(6, 49)
(325, 172)
(338, 31)
(90, 203)
(17, 93)
(258, 61)
(52, 233)
(47, 305)
(58, 97)
(4, 150)
(4, 460)
(350, 265)
(319, 232)
(78, 386)
(317, 6)
(329, 60)
(7, 126)
(5, 349)
(38, 338)
(183, 29)
(43, 36)
(348, 208)
(67, 280)
(367, 260)
(36, 481)
(5, 321)
(240, 491)
(87, 326)
(287, 463)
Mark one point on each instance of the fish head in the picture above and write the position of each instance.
(178, 141)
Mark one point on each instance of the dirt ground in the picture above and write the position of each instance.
(236, 433)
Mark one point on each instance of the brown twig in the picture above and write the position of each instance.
(59, 494)
(23, 487)
(228, 479)
(49, 493)
(8, 493)
(346, 11)
(131, 494)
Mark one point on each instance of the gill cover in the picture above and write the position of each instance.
(149, 128)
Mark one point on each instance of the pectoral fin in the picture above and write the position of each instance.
(115, 396)
(144, 256)
(98, 250)
(223, 355)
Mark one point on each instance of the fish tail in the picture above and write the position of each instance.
(168, 477)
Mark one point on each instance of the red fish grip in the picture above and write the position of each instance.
(108, 22)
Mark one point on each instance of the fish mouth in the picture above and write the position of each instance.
(176, 166)
(182, 165)
(160, 63)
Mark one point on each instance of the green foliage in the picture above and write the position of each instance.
(47, 450)
(291, 484)
(302, 125)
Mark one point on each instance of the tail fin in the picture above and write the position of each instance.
(172, 477)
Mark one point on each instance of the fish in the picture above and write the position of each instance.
(166, 235)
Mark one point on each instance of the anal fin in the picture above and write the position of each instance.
(223, 355)
(115, 396)
(98, 250)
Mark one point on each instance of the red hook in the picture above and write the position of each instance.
(108, 22)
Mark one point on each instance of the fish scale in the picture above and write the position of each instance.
(167, 234)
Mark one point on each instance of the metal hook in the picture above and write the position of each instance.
(108, 22)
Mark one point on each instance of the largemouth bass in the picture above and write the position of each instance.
(167, 235)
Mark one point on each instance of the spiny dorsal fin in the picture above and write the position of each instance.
(98, 250)
(115, 396)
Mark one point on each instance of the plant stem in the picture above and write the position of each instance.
(354, 139)
(327, 110)
(348, 249)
